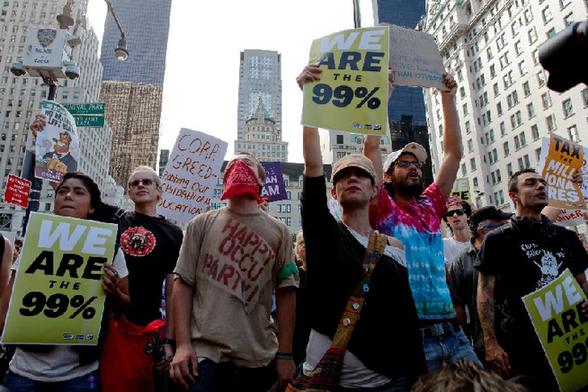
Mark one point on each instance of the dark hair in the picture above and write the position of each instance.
(89, 184)
(467, 208)
(513, 182)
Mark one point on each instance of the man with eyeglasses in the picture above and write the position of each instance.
(520, 257)
(404, 209)
(463, 278)
(151, 245)
(456, 218)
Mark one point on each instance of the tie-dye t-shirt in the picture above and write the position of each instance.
(418, 226)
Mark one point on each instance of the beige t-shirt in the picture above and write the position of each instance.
(232, 261)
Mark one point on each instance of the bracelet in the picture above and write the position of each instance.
(285, 356)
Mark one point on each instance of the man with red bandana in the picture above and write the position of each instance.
(233, 260)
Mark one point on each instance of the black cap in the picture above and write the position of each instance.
(485, 213)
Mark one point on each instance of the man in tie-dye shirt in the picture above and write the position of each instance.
(413, 215)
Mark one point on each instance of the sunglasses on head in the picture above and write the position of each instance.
(459, 212)
(144, 181)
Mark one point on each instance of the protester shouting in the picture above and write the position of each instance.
(463, 277)
(232, 261)
(68, 368)
(151, 245)
(385, 350)
(515, 260)
(404, 210)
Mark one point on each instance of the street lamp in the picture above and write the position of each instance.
(45, 58)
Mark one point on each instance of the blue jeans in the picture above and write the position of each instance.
(221, 377)
(446, 342)
(87, 383)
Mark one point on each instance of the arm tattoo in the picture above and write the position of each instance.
(485, 298)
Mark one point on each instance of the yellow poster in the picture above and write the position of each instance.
(562, 161)
(57, 296)
(352, 94)
(461, 189)
(562, 329)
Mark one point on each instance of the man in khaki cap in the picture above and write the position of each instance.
(385, 352)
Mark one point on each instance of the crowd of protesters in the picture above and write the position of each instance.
(421, 312)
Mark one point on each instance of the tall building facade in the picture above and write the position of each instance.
(504, 105)
(20, 96)
(163, 158)
(260, 79)
(262, 138)
(133, 90)
(133, 111)
(406, 107)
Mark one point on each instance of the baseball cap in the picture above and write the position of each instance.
(485, 213)
(414, 148)
(354, 160)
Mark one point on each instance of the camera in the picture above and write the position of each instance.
(72, 71)
(565, 56)
(17, 69)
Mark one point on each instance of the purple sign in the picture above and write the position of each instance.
(274, 188)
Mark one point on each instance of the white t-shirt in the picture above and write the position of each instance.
(61, 363)
(452, 249)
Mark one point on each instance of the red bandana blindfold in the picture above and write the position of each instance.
(240, 181)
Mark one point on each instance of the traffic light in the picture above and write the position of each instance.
(565, 56)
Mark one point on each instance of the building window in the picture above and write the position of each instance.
(540, 78)
(568, 109)
(509, 169)
(464, 171)
(502, 129)
(573, 134)
(546, 99)
(535, 132)
(499, 108)
(547, 17)
(526, 89)
(506, 149)
(522, 68)
(550, 121)
(473, 164)
(530, 110)
(496, 89)
(585, 96)
(564, 3)
(467, 127)
(550, 33)
(470, 145)
(339, 139)
(532, 36)
(538, 153)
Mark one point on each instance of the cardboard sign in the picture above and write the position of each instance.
(57, 147)
(415, 59)
(352, 94)
(562, 329)
(461, 189)
(274, 188)
(570, 218)
(190, 175)
(17, 191)
(57, 296)
(559, 161)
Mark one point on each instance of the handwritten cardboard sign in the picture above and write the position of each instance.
(570, 218)
(274, 188)
(415, 58)
(190, 175)
(560, 161)
(17, 191)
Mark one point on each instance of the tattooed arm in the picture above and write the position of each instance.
(496, 357)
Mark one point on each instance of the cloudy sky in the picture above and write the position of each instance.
(202, 75)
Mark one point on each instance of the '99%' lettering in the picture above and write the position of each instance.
(577, 356)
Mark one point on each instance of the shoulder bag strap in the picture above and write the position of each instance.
(375, 249)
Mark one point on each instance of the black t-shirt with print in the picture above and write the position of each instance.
(525, 256)
(386, 338)
(151, 246)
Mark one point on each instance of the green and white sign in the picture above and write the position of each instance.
(87, 114)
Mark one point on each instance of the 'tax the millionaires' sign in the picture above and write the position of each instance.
(57, 296)
(562, 329)
(561, 160)
(352, 94)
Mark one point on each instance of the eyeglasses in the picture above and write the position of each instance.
(407, 164)
(144, 181)
(459, 212)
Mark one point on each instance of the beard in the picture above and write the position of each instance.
(405, 189)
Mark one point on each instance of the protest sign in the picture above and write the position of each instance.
(415, 58)
(570, 218)
(57, 146)
(352, 94)
(555, 311)
(57, 296)
(17, 191)
(461, 189)
(190, 175)
(560, 160)
(274, 188)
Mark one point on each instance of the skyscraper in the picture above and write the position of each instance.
(132, 91)
(260, 78)
(20, 96)
(406, 107)
(504, 105)
(146, 26)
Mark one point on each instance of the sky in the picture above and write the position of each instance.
(202, 66)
